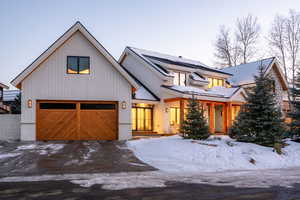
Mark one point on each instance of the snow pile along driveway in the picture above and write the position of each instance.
(174, 154)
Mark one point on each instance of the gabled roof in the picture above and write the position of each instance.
(244, 74)
(150, 57)
(142, 93)
(76, 27)
(2, 85)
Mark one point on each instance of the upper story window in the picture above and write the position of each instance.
(179, 78)
(215, 82)
(78, 65)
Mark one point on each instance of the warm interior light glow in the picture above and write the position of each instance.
(212, 82)
(123, 105)
(86, 71)
(29, 103)
(235, 111)
(174, 116)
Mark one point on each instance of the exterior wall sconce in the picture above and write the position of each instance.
(29, 103)
(123, 105)
(167, 110)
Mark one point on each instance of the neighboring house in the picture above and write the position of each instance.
(169, 81)
(75, 90)
(3, 108)
(9, 96)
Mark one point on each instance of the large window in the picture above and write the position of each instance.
(78, 65)
(215, 82)
(174, 116)
(142, 118)
(235, 111)
(179, 78)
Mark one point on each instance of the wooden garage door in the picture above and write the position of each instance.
(77, 120)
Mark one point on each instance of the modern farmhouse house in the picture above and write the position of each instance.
(169, 81)
(76, 90)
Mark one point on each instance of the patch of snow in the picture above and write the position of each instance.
(27, 147)
(174, 154)
(149, 179)
(42, 149)
(143, 53)
(217, 91)
(8, 155)
(244, 73)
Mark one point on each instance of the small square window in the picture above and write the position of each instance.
(78, 65)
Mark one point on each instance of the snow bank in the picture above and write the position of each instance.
(174, 154)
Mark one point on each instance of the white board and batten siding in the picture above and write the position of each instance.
(10, 126)
(51, 82)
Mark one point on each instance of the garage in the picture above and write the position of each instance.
(77, 120)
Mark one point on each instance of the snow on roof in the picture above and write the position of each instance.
(197, 77)
(216, 91)
(152, 55)
(244, 73)
(10, 95)
(144, 94)
(2, 85)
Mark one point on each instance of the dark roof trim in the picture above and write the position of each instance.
(186, 64)
(147, 61)
(139, 82)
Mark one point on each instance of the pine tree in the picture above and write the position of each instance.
(195, 125)
(260, 120)
(295, 114)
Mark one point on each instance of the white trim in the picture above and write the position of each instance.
(279, 69)
(76, 27)
(142, 59)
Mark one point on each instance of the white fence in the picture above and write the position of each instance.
(10, 127)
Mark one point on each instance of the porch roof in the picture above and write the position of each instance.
(214, 92)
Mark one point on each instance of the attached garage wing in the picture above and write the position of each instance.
(77, 120)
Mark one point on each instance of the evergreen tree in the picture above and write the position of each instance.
(295, 111)
(195, 125)
(260, 120)
(16, 105)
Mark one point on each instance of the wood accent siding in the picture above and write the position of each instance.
(77, 123)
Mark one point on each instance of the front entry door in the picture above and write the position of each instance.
(219, 119)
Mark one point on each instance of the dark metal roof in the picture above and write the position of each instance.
(185, 64)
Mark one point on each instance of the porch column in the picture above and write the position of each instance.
(229, 115)
(181, 109)
(212, 118)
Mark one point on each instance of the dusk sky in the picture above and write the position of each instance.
(177, 27)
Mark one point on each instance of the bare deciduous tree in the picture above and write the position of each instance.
(284, 40)
(223, 48)
(277, 41)
(247, 35)
(231, 50)
(293, 41)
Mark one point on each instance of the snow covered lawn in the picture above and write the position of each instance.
(174, 154)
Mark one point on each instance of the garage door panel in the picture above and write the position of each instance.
(77, 120)
(98, 124)
(57, 125)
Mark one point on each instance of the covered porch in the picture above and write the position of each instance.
(219, 115)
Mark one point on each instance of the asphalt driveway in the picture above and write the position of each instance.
(39, 158)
